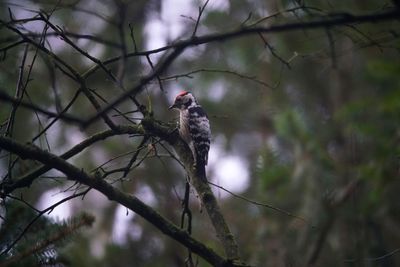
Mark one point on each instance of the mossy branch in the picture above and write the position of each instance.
(28, 151)
(203, 189)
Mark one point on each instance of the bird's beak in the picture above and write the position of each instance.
(172, 106)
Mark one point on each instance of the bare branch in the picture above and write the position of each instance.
(135, 155)
(320, 22)
(230, 72)
(135, 49)
(65, 117)
(27, 179)
(61, 113)
(73, 73)
(201, 10)
(204, 191)
(6, 48)
(72, 44)
(180, 46)
(93, 38)
(272, 50)
(129, 201)
(332, 48)
(19, 94)
(121, 31)
(336, 200)
(138, 87)
(259, 203)
(280, 13)
(372, 259)
(158, 76)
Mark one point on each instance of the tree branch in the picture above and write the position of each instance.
(180, 46)
(66, 117)
(27, 179)
(207, 197)
(73, 73)
(322, 22)
(114, 194)
(159, 69)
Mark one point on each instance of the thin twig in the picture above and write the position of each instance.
(135, 155)
(65, 117)
(65, 38)
(18, 95)
(93, 38)
(27, 179)
(135, 48)
(259, 203)
(332, 48)
(122, 114)
(138, 87)
(243, 24)
(272, 50)
(73, 73)
(158, 77)
(319, 22)
(122, 8)
(391, 253)
(67, 107)
(187, 214)
(230, 72)
(201, 10)
(280, 13)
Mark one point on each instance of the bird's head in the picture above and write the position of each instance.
(183, 100)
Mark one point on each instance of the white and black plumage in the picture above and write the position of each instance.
(194, 129)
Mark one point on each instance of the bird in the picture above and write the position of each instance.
(194, 129)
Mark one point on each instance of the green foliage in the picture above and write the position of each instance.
(28, 239)
(275, 176)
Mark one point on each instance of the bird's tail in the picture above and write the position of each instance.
(201, 170)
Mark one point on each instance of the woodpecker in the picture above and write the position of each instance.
(194, 129)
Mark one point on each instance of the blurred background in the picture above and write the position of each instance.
(306, 121)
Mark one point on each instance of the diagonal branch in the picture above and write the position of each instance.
(321, 22)
(180, 46)
(66, 117)
(203, 189)
(201, 10)
(159, 69)
(72, 44)
(27, 179)
(219, 71)
(72, 73)
(114, 194)
(265, 205)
